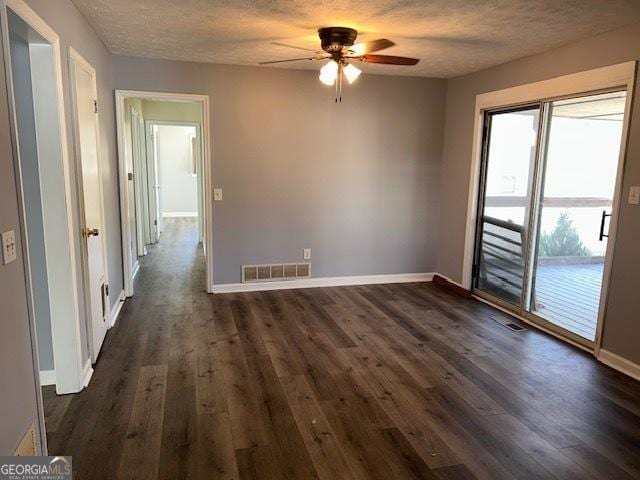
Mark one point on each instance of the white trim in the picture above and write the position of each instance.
(120, 97)
(76, 60)
(87, 373)
(200, 192)
(66, 332)
(621, 75)
(27, 14)
(619, 363)
(47, 377)
(136, 120)
(41, 429)
(616, 207)
(136, 269)
(115, 311)
(179, 214)
(125, 227)
(323, 282)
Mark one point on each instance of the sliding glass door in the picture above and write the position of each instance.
(548, 182)
(510, 153)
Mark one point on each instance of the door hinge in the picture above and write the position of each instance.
(130, 175)
(106, 289)
(95, 106)
(155, 222)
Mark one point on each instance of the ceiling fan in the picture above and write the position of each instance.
(339, 48)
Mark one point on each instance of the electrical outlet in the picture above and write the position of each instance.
(9, 251)
(306, 254)
(634, 195)
(217, 194)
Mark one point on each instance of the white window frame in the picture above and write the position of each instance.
(610, 77)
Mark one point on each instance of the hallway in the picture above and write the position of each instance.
(386, 381)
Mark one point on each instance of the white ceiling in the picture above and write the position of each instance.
(451, 37)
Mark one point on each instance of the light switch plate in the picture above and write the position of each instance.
(634, 195)
(217, 194)
(306, 254)
(9, 250)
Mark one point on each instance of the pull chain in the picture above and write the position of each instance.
(338, 97)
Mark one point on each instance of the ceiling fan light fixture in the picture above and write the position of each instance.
(329, 73)
(351, 72)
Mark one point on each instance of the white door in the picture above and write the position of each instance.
(93, 229)
(140, 181)
(152, 180)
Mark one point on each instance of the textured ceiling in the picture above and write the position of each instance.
(451, 37)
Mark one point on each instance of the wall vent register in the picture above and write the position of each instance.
(275, 272)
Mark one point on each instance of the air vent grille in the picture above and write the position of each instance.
(507, 322)
(275, 272)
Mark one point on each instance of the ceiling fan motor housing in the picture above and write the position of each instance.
(333, 39)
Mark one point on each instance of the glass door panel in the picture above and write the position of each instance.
(577, 188)
(508, 169)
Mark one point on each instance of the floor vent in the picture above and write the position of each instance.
(514, 326)
(506, 322)
(275, 272)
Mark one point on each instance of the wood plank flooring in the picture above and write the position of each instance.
(373, 382)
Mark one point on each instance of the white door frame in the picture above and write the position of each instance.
(152, 183)
(76, 59)
(138, 191)
(614, 76)
(198, 127)
(121, 96)
(72, 373)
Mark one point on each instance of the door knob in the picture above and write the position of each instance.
(88, 232)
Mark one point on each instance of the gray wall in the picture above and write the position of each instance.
(357, 182)
(171, 111)
(178, 185)
(622, 322)
(21, 68)
(18, 398)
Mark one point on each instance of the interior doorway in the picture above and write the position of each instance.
(548, 184)
(175, 173)
(164, 173)
(32, 64)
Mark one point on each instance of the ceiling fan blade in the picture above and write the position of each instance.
(279, 44)
(388, 60)
(290, 60)
(370, 46)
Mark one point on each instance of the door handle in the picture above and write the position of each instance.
(88, 232)
(604, 216)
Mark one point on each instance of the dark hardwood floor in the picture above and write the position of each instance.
(387, 382)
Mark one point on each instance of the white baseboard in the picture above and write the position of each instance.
(47, 377)
(87, 373)
(115, 311)
(323, 282)
(620, 363)
(179, 214)
(136, 269)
